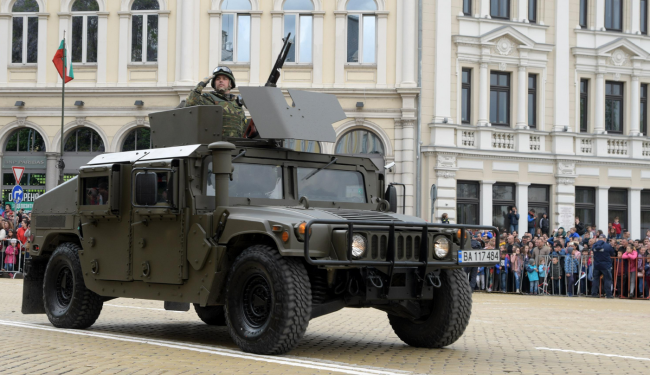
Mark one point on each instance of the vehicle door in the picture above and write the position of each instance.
(158, 226)
(104, 221)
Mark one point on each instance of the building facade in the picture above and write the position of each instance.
(526, 103)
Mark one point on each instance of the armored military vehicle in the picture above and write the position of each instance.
(259, 238)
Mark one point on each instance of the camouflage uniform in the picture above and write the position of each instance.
(234, 119)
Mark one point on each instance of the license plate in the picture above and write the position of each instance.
(478, 256)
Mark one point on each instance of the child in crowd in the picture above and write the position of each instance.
(619, 271)
(571, 265)
(640, 267)
(616, 225)
(516, 265)
(555, 273)
(532, 276)
(631, 255)
(480, 278)
(542, 268)
(10, 255)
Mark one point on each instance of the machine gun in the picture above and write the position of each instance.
(275, 73)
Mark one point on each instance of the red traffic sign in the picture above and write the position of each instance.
(18, 173)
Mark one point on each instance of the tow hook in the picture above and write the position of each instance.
(375, 280)
(434, 280)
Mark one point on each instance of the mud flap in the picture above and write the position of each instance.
(33, 287)
(177, 306)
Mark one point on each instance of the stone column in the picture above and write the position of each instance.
(102, 46)
(600, 15)
(522, 206)
(483, 88)
(397, 176)
(523, 11)
(408, 153)
(599, 104)
(486, 202)
(382, 45)
(163, 42)
(636, 20)
(214, 56)
(409, 38)
(562, 61)
(602, 207)
(256, 31)
(522, 94)
(123, 54)
(565, 194)
(634, 212)
(51, 172)
(186, 71)
(339, 49)
(446, 183)
(5, 43)
(442, 97)
(484, 12)
(635, 103)
(317, 52)
(41, 69)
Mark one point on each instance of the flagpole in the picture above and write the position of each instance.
(61, 164)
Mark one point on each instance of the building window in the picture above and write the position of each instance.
(84, 31)
(362, 32)
(618, 206)
(235, 31)
(532, 11)
(500, 99)
(645, 212)
(137, 139)
(584, 105)
(500, 9)
(302, 146)
(503, 199)
(614, 107)
(584, 8)
(614, 15)
(300, 26)
(144, 31)
(586, 205)
(644, 109)
(360, 142)
(468, 202)
(644, 17)
(532, 100)
(467, 7)
(466, 96)
(538, 200)
(83, 140)
(24, 42)
(25, 140)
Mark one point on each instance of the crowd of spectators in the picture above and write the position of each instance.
(581, 261)
(15, 236)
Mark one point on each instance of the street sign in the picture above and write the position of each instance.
(17, 194)
(18, 173)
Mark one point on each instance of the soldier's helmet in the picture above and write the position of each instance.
(225, 71)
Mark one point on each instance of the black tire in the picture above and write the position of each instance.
(67, 301)
(451, 309)
(268, 301)
(211, 315)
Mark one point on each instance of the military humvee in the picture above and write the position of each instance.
(259, 238)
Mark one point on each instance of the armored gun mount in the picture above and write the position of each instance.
(309, 117)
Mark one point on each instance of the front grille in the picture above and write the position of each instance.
(358, 215)
(408, 246)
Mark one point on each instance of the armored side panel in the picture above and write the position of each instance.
(310, 117)
(186, 126)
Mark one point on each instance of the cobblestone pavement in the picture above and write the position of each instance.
(507, 334)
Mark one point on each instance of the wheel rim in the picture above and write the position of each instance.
(64, 286)
(257, 301)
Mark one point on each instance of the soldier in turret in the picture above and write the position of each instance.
(234, 119)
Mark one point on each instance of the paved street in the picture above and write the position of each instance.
(507, 334)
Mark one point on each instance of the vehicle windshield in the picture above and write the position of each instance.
(331, 185)
(251, 181)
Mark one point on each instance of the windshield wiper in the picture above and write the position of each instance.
(319, 169)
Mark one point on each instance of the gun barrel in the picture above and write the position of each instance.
(279, 63)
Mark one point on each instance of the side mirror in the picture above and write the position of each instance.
(391, 197)
(145, 189)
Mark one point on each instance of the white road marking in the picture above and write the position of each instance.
(317, 365)
(143, 308)
(596, 354)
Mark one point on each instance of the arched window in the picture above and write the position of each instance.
(137, 139)
(24, 43)
(302, 146)
(362, 31)
(83, 140)
(235, 31)
(144, 31)
(84, 31)
(25, 140)
(299, 22)
(360, 141)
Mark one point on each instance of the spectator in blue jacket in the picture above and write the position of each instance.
(531, 221)
(533, 276)
(603, 254)
(513, 219)
(571, 267)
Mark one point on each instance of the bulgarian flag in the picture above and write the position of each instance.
(61, 63)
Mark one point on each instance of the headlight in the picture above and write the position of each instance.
(358, 246)
(441, 247)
